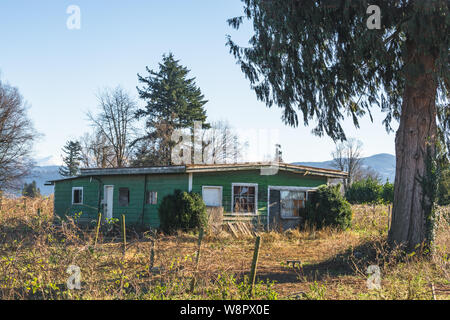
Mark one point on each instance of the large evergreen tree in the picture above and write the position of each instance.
(31, 190)
(72, 159)
(173, 101)
(321, 58)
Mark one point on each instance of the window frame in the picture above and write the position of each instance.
(285, 217)
(147, 198)
(118, 198)
(214, 187)
(243, 184)
(73, 195)
(289, 188)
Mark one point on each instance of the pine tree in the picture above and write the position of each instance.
(329, 59)
(31, 190)
(173, 101)
(72, 159)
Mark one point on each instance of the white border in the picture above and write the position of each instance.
(243, 184)
(82, 195)
(190, 182)
(216, 187)
(104, 202)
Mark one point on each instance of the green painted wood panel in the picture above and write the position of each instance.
(226, 179)
(136, 212)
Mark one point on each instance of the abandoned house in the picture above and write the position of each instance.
(258, 192)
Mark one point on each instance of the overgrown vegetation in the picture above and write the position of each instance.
(329, 208)
(182, 211)
(370, 190)
(35, 255)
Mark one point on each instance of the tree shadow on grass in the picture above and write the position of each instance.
(350, 262)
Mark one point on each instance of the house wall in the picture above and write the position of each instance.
(226, 179)
(137, 210)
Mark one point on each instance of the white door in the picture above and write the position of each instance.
(212, 196)
(108, 201)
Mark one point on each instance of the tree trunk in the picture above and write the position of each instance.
(416, 133)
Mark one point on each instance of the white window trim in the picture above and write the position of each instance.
(148, 193)
(82, 195)
(221, 192)
(285, 188)
(239, 184)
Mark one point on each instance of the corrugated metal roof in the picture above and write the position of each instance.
(268, 166)
(265, 167)
(132, 171)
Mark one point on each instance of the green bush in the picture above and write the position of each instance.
(387, 193)
(327, 207)
(182, 211)
(364, 191)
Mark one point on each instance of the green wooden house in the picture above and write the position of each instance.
(269, 194)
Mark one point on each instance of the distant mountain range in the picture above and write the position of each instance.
(382, 163)
(41, 174)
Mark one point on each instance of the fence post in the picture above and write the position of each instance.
(254, 264)
(152, 255)
(124, 234)
(99, 219)
(197, 260)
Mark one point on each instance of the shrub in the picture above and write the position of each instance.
(364, 191)
(182, 211)
(329, 208)
(387, 193)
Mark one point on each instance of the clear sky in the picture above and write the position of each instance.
(59, 71)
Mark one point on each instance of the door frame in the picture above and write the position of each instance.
(282, 188)
(106, 199)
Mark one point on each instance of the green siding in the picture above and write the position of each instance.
(164, 184)
(225, 179)
(136, 211)
(63, 198)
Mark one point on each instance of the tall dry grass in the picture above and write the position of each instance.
(35, 254)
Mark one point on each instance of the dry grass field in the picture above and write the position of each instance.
(35, 254)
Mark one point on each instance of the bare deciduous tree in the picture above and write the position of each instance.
(347, 157)
(115, 122)
(96, 151)
(16, 138)
(221, 144)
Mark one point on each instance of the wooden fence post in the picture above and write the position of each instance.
(124, 235)
(99, 219)
(152, 255)
(197, 260)
(254, 264)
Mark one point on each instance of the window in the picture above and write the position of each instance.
(151, 197)
(244, 198)
(291, 202)
(212, 196)
(124, 197)
(77, 195)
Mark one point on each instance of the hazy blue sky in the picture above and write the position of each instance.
(59, 71)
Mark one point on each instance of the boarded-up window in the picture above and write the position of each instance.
(244, 199)
(77, 195)
(291, 202)
(124, 197)
(212, 196)
(152, 197)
